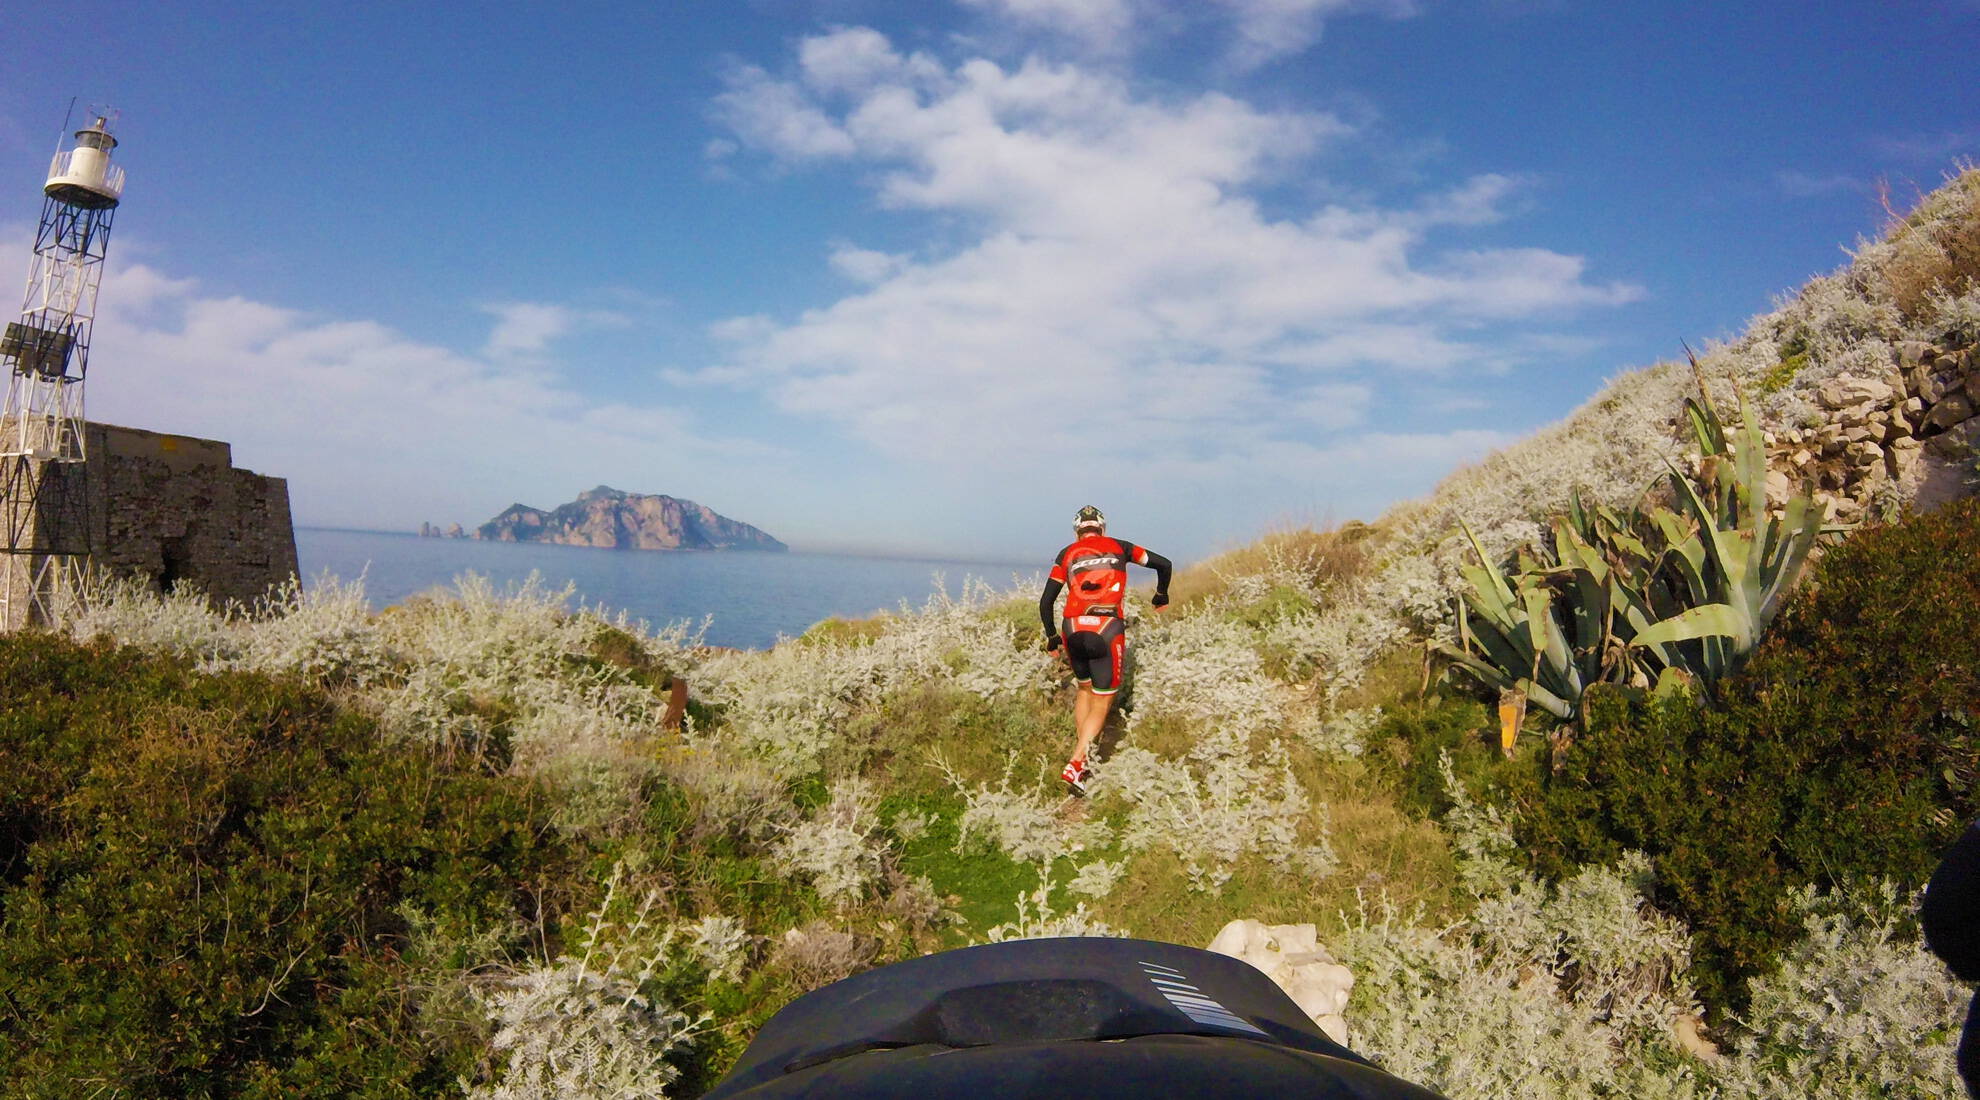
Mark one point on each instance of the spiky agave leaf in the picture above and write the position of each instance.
(1634, 596)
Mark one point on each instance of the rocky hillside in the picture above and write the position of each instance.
(616, 520)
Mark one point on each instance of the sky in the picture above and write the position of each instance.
(924, 277)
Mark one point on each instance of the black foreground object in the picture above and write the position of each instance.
(1950, 919)
(1089, 1017)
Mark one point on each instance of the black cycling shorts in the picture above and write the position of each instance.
(1095, 647)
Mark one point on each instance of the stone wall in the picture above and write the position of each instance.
(172, 508)
(1911, 435)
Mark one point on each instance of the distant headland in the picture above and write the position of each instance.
(617, 520)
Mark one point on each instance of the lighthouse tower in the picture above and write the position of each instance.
(44, 504)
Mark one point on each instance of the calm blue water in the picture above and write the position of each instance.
(754, 596)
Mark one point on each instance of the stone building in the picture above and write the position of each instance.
(172, 508)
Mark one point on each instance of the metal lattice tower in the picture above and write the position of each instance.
(44, 503)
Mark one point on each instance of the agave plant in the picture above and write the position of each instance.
(1734, 554)
(1651, 596)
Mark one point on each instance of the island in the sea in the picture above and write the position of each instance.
(613, 519)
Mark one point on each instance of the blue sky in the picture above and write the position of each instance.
(927, 276)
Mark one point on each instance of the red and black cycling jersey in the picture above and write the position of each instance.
(1093, 573)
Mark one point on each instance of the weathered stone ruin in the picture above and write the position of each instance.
(174, 509)
(1909, 436)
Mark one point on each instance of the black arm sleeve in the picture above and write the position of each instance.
(1045, 606)
(1950, 913)
(1162, 566)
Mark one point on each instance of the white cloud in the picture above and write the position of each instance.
(1259, 31)
(852, 59)
(522, 327)
(1094, 21)
(1267, 30)
(529, 328)
(1123, 282)
(370, 425)
(1416, 347)
(1332, 406)
(864, 265)
(774, 115)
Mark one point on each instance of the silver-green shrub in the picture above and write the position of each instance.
(129, 611)
(951, 640)
(819, 954)
(1025, 826)
(324, 631)
(1336, 735)
(1219, 803)
(1579, 989)
(785, 706)
(590, 1025)
(840, 849)
(721, 944)
(1485, 1016)
(1097, 879)
(734, 794)
(1035, 919)
(1337, 644)
(1856, 1009)
(789, 705)
(477, 644)
(1205, 668)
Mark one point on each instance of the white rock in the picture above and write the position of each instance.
(1778, 487)
(1855, 414)
(1840, 393)
(1291, 955)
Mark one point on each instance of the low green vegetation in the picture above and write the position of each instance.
(1846, 753)
(1794, 360)
(224, 885)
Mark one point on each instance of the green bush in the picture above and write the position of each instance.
(204, 882)
(1413, 735)
(1844, 753)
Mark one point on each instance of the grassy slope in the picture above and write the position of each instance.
(925, 782)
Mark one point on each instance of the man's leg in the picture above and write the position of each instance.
(1089, 715)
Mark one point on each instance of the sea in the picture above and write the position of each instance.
(754, 597)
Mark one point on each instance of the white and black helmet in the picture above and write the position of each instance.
(1089, 517)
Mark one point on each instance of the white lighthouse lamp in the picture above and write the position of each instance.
(83, 176)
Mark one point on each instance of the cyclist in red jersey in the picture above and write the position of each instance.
(1093, 574)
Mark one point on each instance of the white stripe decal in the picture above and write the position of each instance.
(1193, 1002)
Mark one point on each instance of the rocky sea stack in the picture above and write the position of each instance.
(618, 520)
